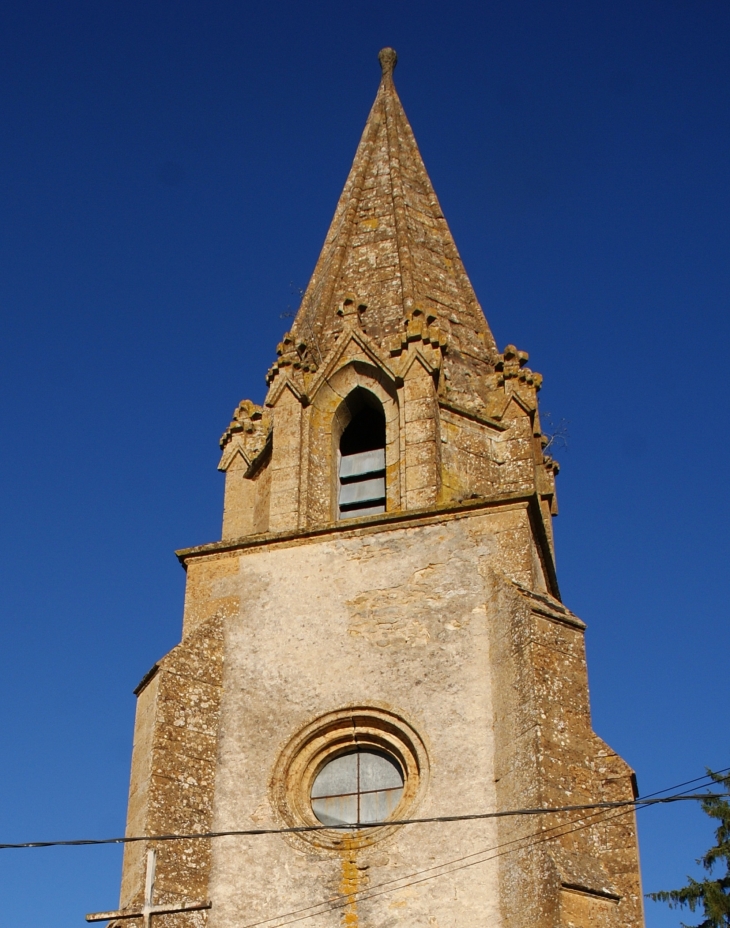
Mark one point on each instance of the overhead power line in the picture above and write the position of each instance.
(599, 814)
(706, 776)
(303, 829)
(446, 868)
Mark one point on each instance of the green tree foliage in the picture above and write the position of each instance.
(713, 896)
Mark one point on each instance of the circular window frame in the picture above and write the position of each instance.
(330, 736)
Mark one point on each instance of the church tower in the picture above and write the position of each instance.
(379, 635)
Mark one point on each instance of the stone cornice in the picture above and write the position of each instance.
(474, 416)
(550, 608)
(386, 522)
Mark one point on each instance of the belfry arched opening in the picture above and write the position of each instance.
(361, 459)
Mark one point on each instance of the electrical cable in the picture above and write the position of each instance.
(337, 901)
(599, 816)
(706, 776)
(301, 829)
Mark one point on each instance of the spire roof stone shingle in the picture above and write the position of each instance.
(390, 245)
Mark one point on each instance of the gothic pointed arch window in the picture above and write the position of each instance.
(361, 458)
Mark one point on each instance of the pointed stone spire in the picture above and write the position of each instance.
(389, 244)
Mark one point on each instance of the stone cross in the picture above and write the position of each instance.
(149, 908)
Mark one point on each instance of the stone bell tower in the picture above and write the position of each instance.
(379, 635)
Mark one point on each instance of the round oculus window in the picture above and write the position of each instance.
(356, 766)
(358, 787)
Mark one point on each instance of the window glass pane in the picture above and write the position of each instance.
(378, 772)
(362, 786)
(336, 810)
(337, 777)
(377, 807)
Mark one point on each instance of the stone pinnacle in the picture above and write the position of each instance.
(388, 60)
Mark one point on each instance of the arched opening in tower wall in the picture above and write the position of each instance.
(361, 461)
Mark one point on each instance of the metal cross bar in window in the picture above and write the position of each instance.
(362, 792)
(149, 908)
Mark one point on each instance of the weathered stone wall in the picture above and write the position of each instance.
(434, 621)
(395, 619)
(578, 868)
(241, 495)
(173, 772)
(437, 451)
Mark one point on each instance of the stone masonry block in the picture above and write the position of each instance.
(418, 385)
(421, 454)
(418, 409)
(420, 430)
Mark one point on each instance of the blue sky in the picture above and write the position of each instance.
(168, 174)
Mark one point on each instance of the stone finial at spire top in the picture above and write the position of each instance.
(388, 60)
